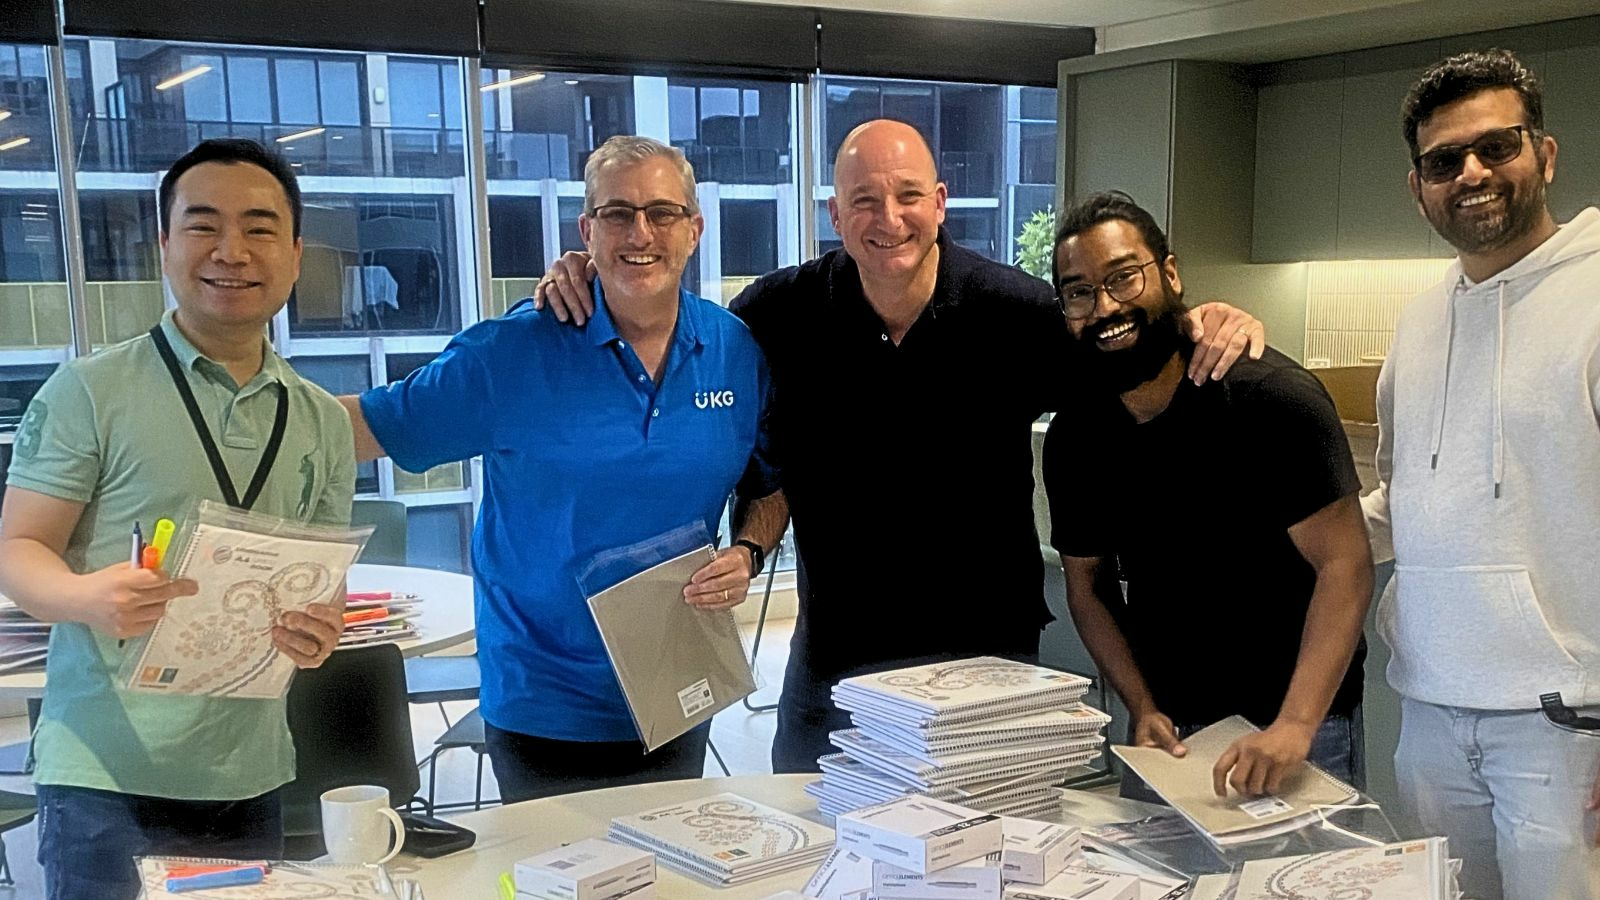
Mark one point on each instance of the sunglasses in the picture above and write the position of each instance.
(1492, 148)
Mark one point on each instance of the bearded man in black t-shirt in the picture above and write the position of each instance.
(1277, 638)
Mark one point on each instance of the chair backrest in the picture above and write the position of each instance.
(351, 725)
(387, 546)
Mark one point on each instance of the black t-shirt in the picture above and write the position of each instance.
(1193, 508)
(909, 469)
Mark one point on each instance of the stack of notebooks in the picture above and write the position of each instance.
(725, 839)
(24, 640)
(989, 734)
(1410, 870)
(1305, 797)
(378, 617)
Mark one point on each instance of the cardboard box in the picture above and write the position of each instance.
(979, 879)
(843, 873)
(1035, 851)
(589, 869)
(1078, 886)
(919, 834)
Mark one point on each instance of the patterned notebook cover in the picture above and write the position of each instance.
(726, 832)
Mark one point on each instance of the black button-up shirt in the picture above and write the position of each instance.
(909, 468)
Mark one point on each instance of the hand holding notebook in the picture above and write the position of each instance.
(1186, 783)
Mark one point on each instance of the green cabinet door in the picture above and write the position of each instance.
(1571, 100)
(1121, 121)
(1377, 217)
(1298, 110)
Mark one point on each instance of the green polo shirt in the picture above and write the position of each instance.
(111, 432)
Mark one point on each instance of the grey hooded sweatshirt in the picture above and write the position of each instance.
(1489, 457)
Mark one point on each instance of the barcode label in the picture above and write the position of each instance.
(1264, 807)
(695, 697)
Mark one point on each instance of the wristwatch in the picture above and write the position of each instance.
(758, 557)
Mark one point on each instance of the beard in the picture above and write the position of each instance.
(1160, 335)
(1471, 232)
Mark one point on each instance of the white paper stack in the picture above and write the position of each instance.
(24, 640)
(990, 734)
(1410, 870)
(589, 869)
(725, 839)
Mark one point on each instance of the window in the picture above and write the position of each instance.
(994, 147)
(35, 317)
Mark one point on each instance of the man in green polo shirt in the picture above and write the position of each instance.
(108, 443)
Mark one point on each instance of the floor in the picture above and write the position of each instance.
(741, 737)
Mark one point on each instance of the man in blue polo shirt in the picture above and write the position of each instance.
(591, 438)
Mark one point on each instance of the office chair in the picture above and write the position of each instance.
(16, 810)
(351, 725)
(387, 546)
(761, 626)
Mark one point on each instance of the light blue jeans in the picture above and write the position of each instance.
(1509, 790)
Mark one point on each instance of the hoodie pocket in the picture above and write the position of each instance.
(1473, 636)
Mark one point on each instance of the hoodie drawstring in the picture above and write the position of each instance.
(1444, 380)
(1499, 376)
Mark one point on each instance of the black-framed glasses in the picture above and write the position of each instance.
(1123, 285)
(1492, 148)
(621, 216)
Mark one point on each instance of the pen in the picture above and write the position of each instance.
(138, 548)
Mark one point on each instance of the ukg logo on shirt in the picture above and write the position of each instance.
(712, 399)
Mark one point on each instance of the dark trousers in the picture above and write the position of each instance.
(529, 767)
(806, 714)
(88, 838)
(1339, 748)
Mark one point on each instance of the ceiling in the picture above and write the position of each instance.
(1133, 24)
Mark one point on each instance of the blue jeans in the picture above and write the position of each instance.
(1339, 748)
(88, 838)
(1509, 790)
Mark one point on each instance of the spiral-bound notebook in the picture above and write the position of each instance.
(967, 690)
(1185, 782)
(678, 665)
(284, 881)
(725, 838)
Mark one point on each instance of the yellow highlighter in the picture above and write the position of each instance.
(161, 538)
(508, 887)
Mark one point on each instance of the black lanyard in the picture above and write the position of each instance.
(268, 456)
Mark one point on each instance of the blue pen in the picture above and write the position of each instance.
(227, 878)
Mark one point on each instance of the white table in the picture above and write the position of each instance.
(510, 833)
(444, 618)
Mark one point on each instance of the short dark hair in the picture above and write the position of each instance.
(1104, 207)
(1465, 74)
(232, 151)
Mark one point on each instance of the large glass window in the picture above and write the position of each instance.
(994, 146)
(35, 318)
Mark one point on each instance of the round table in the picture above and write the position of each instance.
(443, 620)
(507, 834)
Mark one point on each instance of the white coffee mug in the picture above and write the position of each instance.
(357, 824)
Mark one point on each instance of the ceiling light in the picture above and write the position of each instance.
(15, 143)
(513, 82)
(570, 81)
(181, 77)
(4, 114)
(309, 132)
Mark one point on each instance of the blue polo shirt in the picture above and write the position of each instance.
(582, 452)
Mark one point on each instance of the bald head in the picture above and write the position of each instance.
(887, 202)
(883, 145)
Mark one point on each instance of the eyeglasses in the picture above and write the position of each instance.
(1123, 285)
(1492, 148)
(621, 216)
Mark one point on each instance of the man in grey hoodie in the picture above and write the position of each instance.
(1489, 458)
